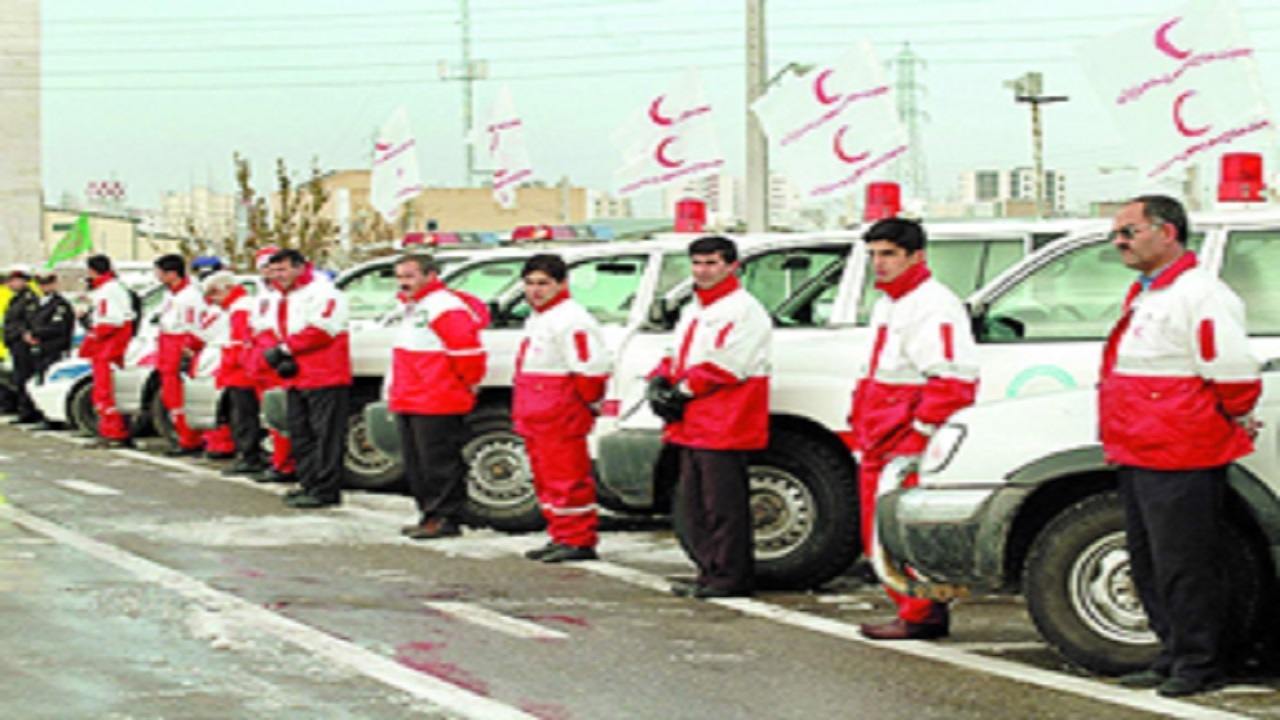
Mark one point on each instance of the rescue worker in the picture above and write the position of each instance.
(1178, 386)
(214, 334)
(52, 325)
(923, 367)
(561, 369)
(180, 314)
(437, 361)
(309, 316)
(17, 323)
(233, 341)
(283, 467)
(713, 394)
(111, 328)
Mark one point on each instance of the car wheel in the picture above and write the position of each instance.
(81, 414)
(499, 480)
(368, 468)
(161, 421)
(804, 512)
(1082, 599)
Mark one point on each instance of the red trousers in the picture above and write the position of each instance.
(110, 422)
(219, 440)
(913, 610)
(566, 491)
(171, 396)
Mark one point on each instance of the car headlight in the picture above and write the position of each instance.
(68, 373)
(942, 447)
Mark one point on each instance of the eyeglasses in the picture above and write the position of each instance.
(1129, 232)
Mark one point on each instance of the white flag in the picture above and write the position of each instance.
(500, 138)
(833, 128)
(672, 138)
(1180, 85)
(396, 177)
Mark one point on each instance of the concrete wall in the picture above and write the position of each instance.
(20, 179)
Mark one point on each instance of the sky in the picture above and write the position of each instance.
(160, 94)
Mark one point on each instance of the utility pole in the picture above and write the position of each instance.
(470, 71)
(912, 171)
(757, 149)
(1029, 89)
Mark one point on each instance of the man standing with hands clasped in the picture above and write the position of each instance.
(712, 391)
(561, 370)
(1178, 384)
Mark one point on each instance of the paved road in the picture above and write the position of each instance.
(140, 587)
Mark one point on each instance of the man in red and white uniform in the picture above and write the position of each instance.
(437, 360)
(923, 367)
(717, 410)
(180, 314)
(283, 465)
(112, 323)
(231, 336)
(1178, 384)
(561, 370)
(309, 316)
(214, 334)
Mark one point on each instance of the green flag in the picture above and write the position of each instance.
(76, 241)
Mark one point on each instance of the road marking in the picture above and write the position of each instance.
(492, 620)
(235, 611)
(88, 488)
(172, 463)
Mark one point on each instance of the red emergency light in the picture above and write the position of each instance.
(530, 232)
(884, 200)
(691, 215)
(1241, 178)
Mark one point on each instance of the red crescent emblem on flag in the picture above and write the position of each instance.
(660, 154)
(837, 145)
(655, 113)
(1177, 117)
(1165, 46)
(820, 92)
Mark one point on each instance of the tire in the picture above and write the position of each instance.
(1082, 600)
(367, 467)
(499, 480)
(804, 502)
(160, 420)
(81, 414)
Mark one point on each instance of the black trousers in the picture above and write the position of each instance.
(318, 429)
(433, 464)
(714, 501)
(24, 368)
(1173, 520)
(246, 424)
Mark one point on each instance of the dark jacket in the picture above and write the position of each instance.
(53, 324)
(17, 317)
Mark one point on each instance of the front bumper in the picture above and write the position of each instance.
(955, 536)
(51, 398)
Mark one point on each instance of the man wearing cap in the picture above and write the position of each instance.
(52, 325)
(230, 334)
(180, 315)
(111, 328)
(17, 323)
(283, 467)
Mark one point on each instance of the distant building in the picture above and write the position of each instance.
(602, 205)
(123, 236)
(1013, 187)
(211, 214)
(722, 193)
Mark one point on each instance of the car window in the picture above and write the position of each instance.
(1251, 266)
(675, 270)
(1001, 256)
(372, 293)
(1075, 296)
(606, 287)
(488, 280)
(774, 276)
(811, 304)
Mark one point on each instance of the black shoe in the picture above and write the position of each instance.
(49, 425)
(570, 553)
(703, 592)
(245, 468)
(179, 451)
(307, 501)
(112, 444)
(539, 553)
(294, 492)
(272, 475)
(26, 420)
(219, 455)
(1143, 679)
(434, 529)
(1178, 686)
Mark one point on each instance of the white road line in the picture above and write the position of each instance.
(235, 611)
(88, 488)
(172, 463)
(486, 618)
(998, 647)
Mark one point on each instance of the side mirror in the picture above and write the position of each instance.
(497, 318)
(1272, 365)
(663, 314)
(999, 328)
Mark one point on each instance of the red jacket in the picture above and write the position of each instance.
(561, 369)
(310, 321)
(113, 321)
(723, 362)
(923, 366)
(437, 358)
(1176, 373)
(236, 348)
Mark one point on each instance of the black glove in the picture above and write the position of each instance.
(184, 365)
(666, 401)
(274, 356)
(287, 367)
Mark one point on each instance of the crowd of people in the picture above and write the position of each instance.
(1179, 350)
